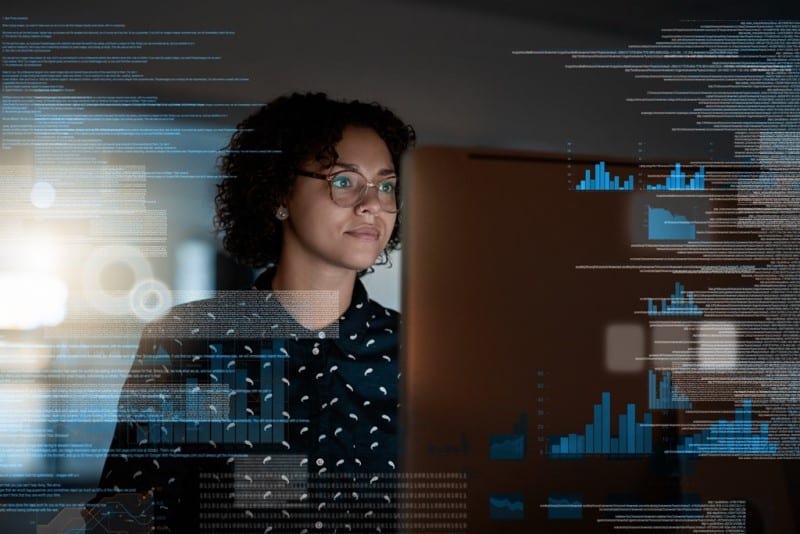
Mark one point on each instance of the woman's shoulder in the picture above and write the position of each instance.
(246, 314)
(184, 319)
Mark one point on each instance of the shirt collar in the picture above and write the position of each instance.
(355, 317)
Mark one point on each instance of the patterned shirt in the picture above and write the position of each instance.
(236, 418)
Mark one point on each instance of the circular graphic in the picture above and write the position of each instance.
(113, 302)
(150, 299)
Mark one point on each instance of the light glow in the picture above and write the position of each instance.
(29, 301)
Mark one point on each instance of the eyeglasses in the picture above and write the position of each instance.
(349, 187)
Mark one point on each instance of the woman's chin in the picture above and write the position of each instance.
(362, 263)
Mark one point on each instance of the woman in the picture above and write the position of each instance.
(275, 410)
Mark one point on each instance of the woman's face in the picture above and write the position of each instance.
(321, 233)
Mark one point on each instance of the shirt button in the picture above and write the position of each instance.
(320, 462)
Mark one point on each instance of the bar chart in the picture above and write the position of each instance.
(681, 302)
(676, 181)
(633, 438)
(237, 404)
(735, 437)
(602, 180)
(662, 394)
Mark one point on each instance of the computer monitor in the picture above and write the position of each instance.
(542, 373)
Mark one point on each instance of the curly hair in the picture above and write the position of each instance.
(259, 165)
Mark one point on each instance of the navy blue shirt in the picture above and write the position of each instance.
(235, 417)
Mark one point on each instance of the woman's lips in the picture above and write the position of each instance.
(366, 233)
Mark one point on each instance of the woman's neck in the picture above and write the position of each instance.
(332, 287)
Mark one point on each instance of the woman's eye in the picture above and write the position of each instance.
(341, 182)
(386, 187)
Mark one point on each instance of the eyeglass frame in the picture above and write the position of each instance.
(329, 178)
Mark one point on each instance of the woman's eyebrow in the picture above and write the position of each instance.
(356, 168)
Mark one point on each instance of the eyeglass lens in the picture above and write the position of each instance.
(348, 189)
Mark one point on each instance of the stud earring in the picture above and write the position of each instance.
(282, 213)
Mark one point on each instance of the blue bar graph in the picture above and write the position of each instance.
(598, 436)
(218, 411)
(179, 433)
(681, 302)
(589, 432)
(273, 424)
(634, 438)
(240, 404)
(229, 379)
(665, 396)
(602, 180)
(204, 432)
(192, 430)
(632, 445)
(664, 225)
(216, 432)
(731, 437)
(676, 181)
(605, 429)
